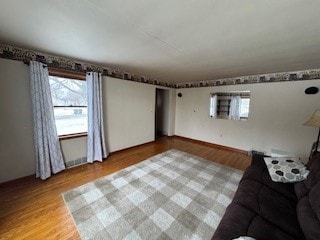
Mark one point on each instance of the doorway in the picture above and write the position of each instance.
(162, 113)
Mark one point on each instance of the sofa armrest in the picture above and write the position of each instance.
(257, 160)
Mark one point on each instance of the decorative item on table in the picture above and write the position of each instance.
(314, 121)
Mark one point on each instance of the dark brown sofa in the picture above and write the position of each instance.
(266, 210)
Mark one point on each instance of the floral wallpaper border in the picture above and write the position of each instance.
(24, 55)
(311, 74)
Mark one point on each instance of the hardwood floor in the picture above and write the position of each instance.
(34, 209)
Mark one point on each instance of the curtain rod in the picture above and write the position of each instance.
(28, 63)
(45, 66)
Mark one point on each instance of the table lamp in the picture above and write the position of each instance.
(314, 121)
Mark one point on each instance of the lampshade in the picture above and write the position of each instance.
(314, 121)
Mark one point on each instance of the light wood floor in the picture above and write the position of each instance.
(34, 209)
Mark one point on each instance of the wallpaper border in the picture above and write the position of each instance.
(311, 74)
(25, 55)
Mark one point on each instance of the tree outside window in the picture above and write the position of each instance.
(69, 97)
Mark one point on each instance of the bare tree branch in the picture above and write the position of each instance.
(64, 84)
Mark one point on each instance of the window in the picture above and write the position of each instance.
(69, 97)
(230, 105)
(244, 107)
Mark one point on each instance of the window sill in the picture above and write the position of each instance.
(70, 136)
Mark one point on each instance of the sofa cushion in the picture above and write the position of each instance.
(314, 199)
(264, 230)
(314, 168)
(239, 221)
(301, 190)
(309, 221)
(234, 223)
(313, 159)
(262, 176)
(270, 205)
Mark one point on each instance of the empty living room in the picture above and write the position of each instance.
(144, 120)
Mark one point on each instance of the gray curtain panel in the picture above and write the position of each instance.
(96, 142)
(47, 147)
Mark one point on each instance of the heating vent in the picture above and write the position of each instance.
(76, 162)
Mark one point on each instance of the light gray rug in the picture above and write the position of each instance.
(173, 195)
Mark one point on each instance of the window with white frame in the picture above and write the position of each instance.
(224, 105)
(69, 97)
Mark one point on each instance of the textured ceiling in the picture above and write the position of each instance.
(171, 40)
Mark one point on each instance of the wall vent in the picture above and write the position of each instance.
(76, 162)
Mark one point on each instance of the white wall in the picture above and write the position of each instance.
(16, 122)
(129, 113)
(277, 112)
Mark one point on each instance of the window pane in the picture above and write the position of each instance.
(71, 120)
(68, 92)
(244, 111)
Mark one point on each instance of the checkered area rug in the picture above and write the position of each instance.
(173, 195)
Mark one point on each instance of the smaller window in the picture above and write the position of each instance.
(69, 97)
(230, 105)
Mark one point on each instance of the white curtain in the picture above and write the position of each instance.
(235, 108)
(96, 141)
(213, 106)
(48, 153)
